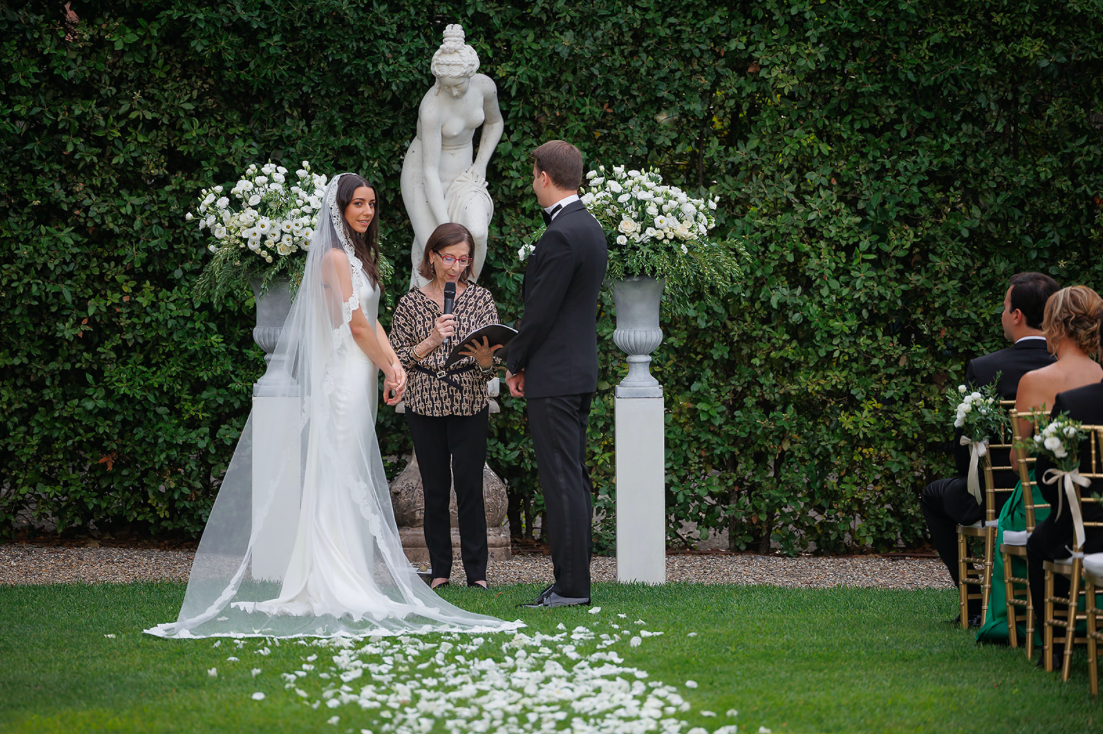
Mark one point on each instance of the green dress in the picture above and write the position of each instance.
(1012, 517)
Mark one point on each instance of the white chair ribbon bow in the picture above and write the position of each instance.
(1071, 477)
(977, 449)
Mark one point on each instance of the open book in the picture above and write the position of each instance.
(494, 334)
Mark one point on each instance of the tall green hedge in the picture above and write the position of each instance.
(888, 165)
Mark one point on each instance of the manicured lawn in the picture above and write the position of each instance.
(841, 660)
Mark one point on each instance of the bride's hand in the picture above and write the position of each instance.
(394, 386)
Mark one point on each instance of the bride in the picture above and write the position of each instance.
(347, 573)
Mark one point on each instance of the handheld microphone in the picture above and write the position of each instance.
(449, 301)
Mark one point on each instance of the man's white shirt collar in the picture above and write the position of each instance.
(1024, 338)
(562, 203)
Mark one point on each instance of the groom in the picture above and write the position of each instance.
(553, 363)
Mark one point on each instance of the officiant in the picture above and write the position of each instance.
(447, 406)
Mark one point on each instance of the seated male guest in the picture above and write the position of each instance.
(1052, 538)
(947, 503)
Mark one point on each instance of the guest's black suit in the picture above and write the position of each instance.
(1052, 538)
(556, 346)
(946, 503)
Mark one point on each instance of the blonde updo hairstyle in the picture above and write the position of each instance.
(454, 58)
(1074, 312)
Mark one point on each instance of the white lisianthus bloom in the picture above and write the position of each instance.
(959, 422)
(961, 389)
(261, 180)
(307, 208)
(264, 225)
(622, 240)
(652, 210)
(624, 198)
(688, 209)
(281, 170)
(1070, 431)
(297, 227)
(966, 408)
(211, 220)
(587, 199)
(219, 232)
(306, 165)
(615, 187)
(597, 182)
(976, 395)
(302, 173)
(591, 175)
(212, 248)
(268, 168)
(273, 236)
(254, 199)
(308, 234)
(275, 186)
(627, 226)
(208, 200)
(685, 250)
(649, 232)
(661, 222)
(278, 177)
(316, 203)
(618, 170)
(633, 174)
(252, 168)
(285, 225)
(284, 249)
(217, 189)
(188, 217)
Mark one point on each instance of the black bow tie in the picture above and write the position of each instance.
(548, 215)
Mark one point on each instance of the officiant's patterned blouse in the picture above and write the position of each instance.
(461, 390)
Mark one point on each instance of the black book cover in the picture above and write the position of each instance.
(494, 333)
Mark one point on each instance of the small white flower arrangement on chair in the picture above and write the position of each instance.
(981, 419)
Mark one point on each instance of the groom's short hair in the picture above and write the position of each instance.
(561, 161)
(1029, 293)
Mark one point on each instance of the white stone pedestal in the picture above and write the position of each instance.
(278, 469)
(641, 485)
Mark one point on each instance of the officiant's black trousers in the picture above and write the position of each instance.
(558, 425)
(946, 503)
(453, 449)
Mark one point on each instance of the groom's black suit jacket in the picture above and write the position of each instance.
(1011, 364)
(1053, 536)
(556, 342)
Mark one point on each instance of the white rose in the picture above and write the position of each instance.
(976, 395)
(622, 240)
(284, 249)
(627, 226)
(961, 389)
(1052, 444)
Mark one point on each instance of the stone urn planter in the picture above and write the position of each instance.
(638, 333)
(272, 309)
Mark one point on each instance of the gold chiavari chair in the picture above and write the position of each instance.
(976, 570)
(1091, 467)
(1017, 588)
(1093, 583)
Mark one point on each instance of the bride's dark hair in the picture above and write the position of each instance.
(366, 245)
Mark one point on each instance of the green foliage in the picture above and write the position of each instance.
(887, 165)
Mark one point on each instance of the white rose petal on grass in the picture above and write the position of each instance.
(708, 713)
(691, 684)
(593, 610)
(333, 720)
(258, 696)
(763, 730)
(731, 712)
(110, 636)
(231, 659)
(623, 616)
(692, 634)
(213, 672)
(636, 641)
(256, 672)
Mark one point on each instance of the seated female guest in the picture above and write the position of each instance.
(1052, 538)
(447, 410)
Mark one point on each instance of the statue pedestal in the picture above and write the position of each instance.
(408, 500)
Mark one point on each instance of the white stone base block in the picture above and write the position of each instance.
(271, 550)
(641, 489)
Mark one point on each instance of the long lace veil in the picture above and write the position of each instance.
(306, 477)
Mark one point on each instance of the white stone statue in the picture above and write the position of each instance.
(442, 179)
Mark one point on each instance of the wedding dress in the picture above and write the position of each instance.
(347, 573)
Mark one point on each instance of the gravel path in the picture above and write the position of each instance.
(31, 564)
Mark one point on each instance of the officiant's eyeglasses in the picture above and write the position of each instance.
(449, 261)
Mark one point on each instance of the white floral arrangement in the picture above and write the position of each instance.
(259, 227)
(980, 418)
(641, 208)
(658, 230)
(1059, 439)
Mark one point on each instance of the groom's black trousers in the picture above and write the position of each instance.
(558, 426)
(451, 450)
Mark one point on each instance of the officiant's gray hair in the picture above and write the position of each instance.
(454, 58)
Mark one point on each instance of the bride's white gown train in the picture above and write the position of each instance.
(348, 574)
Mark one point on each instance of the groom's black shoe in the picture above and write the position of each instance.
(538, 601)
(555, 600)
